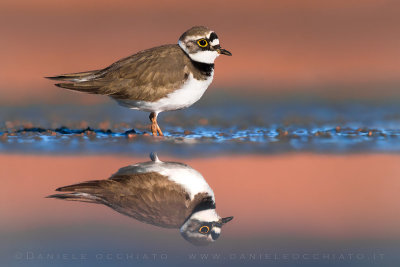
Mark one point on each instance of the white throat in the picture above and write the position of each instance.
(201, 56)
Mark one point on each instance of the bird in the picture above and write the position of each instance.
(164, 194)
(163, 78)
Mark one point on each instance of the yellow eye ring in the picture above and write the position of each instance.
(204, 229)
(202, 42)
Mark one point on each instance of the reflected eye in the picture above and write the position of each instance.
(204, 229)
(202, 42)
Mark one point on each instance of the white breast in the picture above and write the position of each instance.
(191, 91)
(191, 180)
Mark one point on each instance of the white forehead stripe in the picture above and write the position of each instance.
(214, 42)
(216, 230)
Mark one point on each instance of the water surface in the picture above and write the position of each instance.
(325, 209)
(218, 124)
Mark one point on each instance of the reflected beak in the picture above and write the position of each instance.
(226, 219)
(222, 51)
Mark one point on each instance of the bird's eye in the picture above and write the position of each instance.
(204, 229)
(202, 42)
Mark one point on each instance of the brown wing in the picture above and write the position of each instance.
(148, 75)
(147, 197)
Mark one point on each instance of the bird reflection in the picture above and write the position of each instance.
(165, 194)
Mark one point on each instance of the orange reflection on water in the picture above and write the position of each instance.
(298, 194)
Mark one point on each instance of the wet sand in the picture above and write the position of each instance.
(214, 125)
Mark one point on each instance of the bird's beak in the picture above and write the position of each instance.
(222, 51)
(226, 219)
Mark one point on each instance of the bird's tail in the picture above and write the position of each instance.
(87, 87)
(82, 81)
(75, 77)
(82, 197)
(83, 192)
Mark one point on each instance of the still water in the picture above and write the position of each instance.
(307, 183)
(295, 209)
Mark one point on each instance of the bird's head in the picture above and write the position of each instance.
(202, 45)
(203, 229)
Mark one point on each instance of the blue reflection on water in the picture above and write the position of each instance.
(82, 245)
(233, 126)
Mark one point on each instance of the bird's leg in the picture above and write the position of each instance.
(159, 130)
(154, 126)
